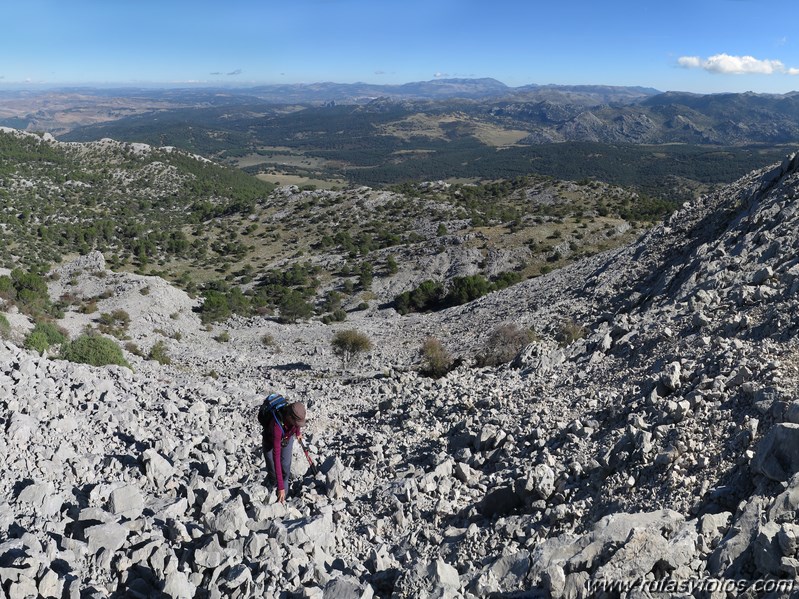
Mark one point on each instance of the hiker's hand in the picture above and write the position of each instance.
(281, 495)
(299, 437)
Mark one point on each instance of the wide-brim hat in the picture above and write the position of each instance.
(297, 413)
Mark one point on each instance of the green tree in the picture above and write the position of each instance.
(293, 307)
(215, 307)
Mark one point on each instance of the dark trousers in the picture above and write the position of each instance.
(285, 460)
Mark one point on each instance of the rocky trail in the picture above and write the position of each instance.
(659, 447)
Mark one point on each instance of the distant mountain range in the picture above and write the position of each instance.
(484, 110)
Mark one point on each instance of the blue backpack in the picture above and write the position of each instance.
(271, 409)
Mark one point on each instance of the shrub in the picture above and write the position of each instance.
(90, 307)
(29, 291)
(268, 340)
(94, 350)
(504, 343)
(43, 335)
(569, 332)
(5, 327)
(349, 344)
(222, 337)
(436, 360)
(159, 354)
(134, 349)
(145, 290)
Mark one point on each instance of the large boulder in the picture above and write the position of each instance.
(777, 455)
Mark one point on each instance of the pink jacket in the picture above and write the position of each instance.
(273, 440)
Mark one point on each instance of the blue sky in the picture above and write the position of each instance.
(700, 46)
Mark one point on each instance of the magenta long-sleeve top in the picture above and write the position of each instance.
(274, 440)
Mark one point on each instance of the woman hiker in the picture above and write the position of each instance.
(278, 441)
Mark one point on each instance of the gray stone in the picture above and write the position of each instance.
(156, 467)
(777, 455)
(318, 531)
(788, 538)
(541, 481)
(464, 473)
(670, 377)
(109, 536)
(766, 550)
(734, 553)
(50, 586)
(210, 554)
(178, 586)
(21, 428)
(511, 570)
(127, 502)
(42, 498)
(229, 519)
(345, 588)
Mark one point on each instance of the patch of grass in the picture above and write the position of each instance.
(5, 327)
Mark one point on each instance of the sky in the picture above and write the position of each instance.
(701, 46)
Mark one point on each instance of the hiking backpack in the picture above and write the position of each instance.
(271, 408)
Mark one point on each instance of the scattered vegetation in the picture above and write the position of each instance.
(5, 327)
(432, 295)
(116, 323)
(222, 337)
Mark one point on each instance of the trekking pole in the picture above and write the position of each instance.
(314, 469)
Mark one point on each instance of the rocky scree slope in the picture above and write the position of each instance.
(661, 443)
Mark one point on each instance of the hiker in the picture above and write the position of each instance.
(279, 429)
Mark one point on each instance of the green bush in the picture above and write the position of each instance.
(159, 354)
(349, 345)
(222, 337)
(43, 335)
(94, 350)
(436, 360)
(5, 327)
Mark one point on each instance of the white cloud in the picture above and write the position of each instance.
(441, 75)
(736, 65)
(689, 62)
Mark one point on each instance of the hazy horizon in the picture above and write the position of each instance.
(715, 46)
